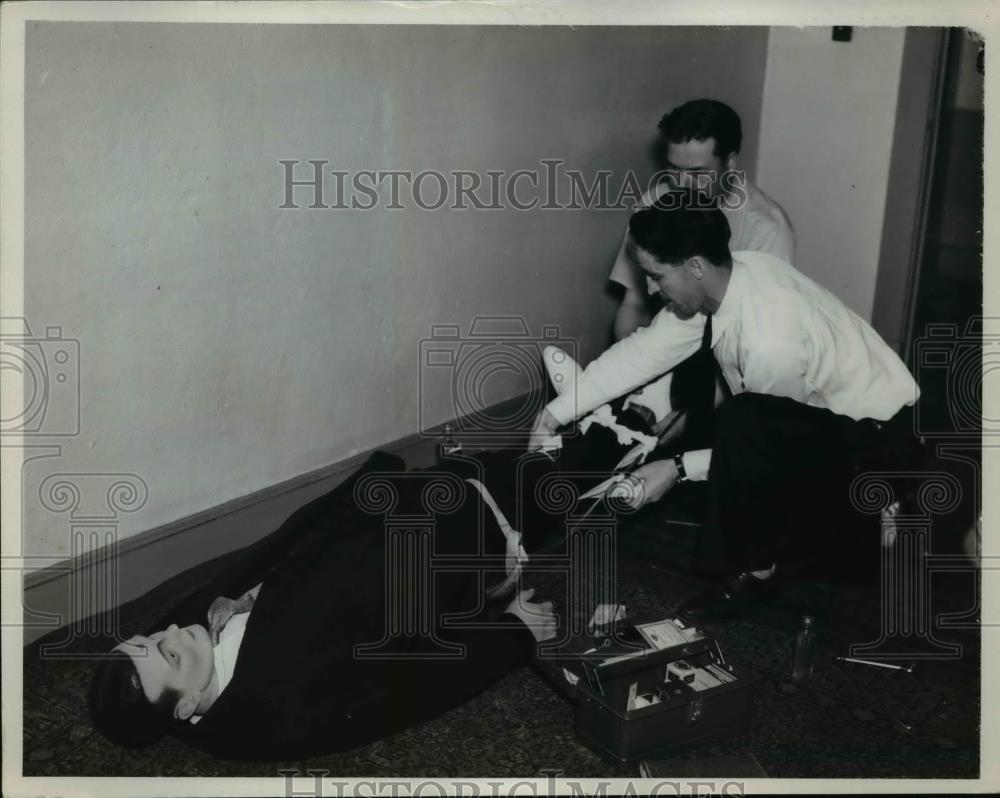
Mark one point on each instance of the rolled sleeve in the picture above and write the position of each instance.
(626, 272)
(776, 238)
(696, 464)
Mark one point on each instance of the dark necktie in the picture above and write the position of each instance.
(224, 608)
(693, 390)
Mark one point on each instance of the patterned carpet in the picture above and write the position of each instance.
(849, 721)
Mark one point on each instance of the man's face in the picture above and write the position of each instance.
(682, 293)
(178, 659)
(695, 165)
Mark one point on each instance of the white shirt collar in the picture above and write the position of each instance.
(729, 307)
(226, 651)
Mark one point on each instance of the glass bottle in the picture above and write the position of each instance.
(805, 650)
(448, 445)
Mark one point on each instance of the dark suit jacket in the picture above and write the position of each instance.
(297, 689)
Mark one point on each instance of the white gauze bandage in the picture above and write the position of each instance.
(605, 418)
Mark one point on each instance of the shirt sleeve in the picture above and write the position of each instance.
(696, 464)
(644, 355)
(626, 272)
(782, 244)
(776, 239)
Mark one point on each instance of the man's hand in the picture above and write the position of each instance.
(650, 483)
(606, 614)
(544, 428)
(537, 616)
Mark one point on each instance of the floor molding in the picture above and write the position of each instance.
(75, 589)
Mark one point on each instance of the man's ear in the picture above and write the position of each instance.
(186, 705)
(696, 267)
(730, 163)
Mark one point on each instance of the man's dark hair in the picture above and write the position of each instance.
(120, 709)
(701, 120)
(681, 225)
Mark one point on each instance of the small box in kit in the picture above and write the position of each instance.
(645, 686)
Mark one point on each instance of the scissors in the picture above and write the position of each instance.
(598, 492)
(635, 457)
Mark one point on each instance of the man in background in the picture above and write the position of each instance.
(697, 148)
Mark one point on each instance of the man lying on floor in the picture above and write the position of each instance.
(817, 396)
(261, 663)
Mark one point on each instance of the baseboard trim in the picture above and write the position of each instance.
(157, 534)
(149, 558)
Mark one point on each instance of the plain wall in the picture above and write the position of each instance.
(826, 141)
(227, 345)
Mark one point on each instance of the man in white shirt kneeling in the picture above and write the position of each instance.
(818, 396)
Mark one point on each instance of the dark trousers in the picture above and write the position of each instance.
(780, 478)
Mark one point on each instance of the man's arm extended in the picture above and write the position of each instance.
(634, 361)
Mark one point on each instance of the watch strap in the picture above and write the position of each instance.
(681, 470)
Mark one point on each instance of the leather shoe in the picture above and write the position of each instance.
(728, 599)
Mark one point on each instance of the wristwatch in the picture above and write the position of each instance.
(681, 471)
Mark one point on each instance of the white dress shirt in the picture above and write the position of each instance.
(225, 652)
(775, 332)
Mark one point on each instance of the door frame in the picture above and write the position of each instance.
(911, 169)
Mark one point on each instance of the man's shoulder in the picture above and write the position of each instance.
(764, 209)
(774, 283)
(777, 330)
(759, 223)
(759, 261)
